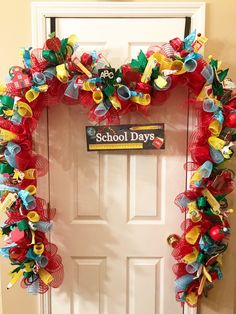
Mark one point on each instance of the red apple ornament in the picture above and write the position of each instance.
(230, 120)
(53, 44)
(217, 233)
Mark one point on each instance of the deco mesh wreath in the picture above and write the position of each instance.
(55, 74)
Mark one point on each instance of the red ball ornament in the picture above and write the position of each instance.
(230, 120)
(216, 233)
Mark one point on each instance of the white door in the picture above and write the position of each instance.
(115, 210)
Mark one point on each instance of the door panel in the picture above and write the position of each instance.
(120, 38)
(115, 210)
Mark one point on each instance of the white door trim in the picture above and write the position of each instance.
(40, 11)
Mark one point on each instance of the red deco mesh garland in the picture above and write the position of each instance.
(55, 74)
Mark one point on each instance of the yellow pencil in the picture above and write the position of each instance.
(145, 127)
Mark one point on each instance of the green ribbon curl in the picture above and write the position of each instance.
(5, 168)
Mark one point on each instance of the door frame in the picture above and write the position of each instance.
(41, 11)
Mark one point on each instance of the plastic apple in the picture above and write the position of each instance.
(53, 44)
(230, 120)
(216, 233)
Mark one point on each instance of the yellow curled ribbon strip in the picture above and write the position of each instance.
(192, 298)
(219, 259)
(192, 236)
(216, 142)
(9, 112)
(18, 174)
(202, 284)
(7, 136)
(178, 66)
(38, 248)
(165, 63)
(45, 276)
(215, 127)
(33, 237)
(161, 82)
(72, 40)
(115, 102)
(88, 86)
(31, 95)
(31, 189)
(191, 257)
(30, 174)
(43, 88)
(197, 176)
(206, 274)
(3, 89)
(212, 201)
(203, 93)
(33, 216)
(28, 267)
(24, 109)
(62, 73)
(192, 206)
(142, 100)
(97, 96)
(194, 213)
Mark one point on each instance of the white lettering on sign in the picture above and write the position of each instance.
(107, 74)
(142, 137)
(134, 136)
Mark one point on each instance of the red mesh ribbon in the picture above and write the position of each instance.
(199, 242)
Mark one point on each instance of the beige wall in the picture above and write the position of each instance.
(15, 26)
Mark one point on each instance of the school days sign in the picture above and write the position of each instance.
(125, 137)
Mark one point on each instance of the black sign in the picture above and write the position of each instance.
(106, 73)
(125, 137)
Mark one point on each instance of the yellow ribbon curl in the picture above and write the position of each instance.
(191, 257)
(7, 136)
(45, 276)
(192, 236)
(88, 86)
(38, 248)
(31, 95)
(215, 127)
(97, 96)
(142, 100)
(216, 142)
(24, 109)
(33, 216)
(62, 73)
(192, 298)
(31, 189)
(115, 102)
